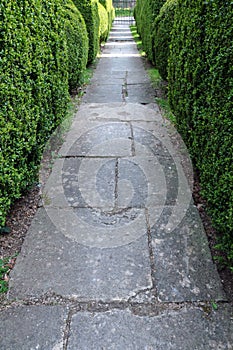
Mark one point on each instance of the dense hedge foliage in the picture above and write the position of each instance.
(163, 25)
(44, 51)
(201, 96)
(110, 10)
(77, 43)
(89, 11)
(33, 89)
(103, 27)
(156, 6)
(145, 13)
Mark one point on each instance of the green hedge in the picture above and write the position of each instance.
(77, 43)
(201, 96)
(145, 13)
(110, 10)
(156, 6)
(33, 90)
(103, 27)
(163, 25)
(89, 11)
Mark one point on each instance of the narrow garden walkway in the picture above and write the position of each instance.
(117, 258)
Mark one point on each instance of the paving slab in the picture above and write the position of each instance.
(95, 138)
(101, 93)
(50, 262)
(134, 112)
(32, 328)
(185, 329)
(184, 266)
(142, 93)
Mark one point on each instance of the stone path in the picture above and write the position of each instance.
(116, 258)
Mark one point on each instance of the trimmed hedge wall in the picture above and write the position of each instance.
(156, 6)
(201, 96)
(103, 27)
(77, 43)
(33, 90)
(44, 50)
(145, 13)
(89, 11)
(110, 10)
(163, 25)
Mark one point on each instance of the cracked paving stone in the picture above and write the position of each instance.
(185, 329)
(51, 262)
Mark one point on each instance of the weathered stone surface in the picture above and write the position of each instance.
(186, 329)
(103, 93)
(184, 266)
(32, 327)
(51, 262)
(138, 92)
(110, 139)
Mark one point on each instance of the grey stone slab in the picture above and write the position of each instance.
(120, 54)
(185, 329)
(151, 139)
(120, 77)
(51, 262)
(121, 33)
(141, 183)
(163, 141)
(140, 93)
(94, 227)
(120, 37)
(140, 77)
(121, 111)
(111, 184)
(103, 93)
(107, 75)
(96, 190)
(32, 327)
(110, 79)
(128, 62)
(152, 142)
(184, 267)
(120, 46)
(96, 124)
(115, 186)
(116, 191)
(69, 185)
(111, 139)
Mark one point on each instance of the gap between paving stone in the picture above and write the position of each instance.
(100, 326)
